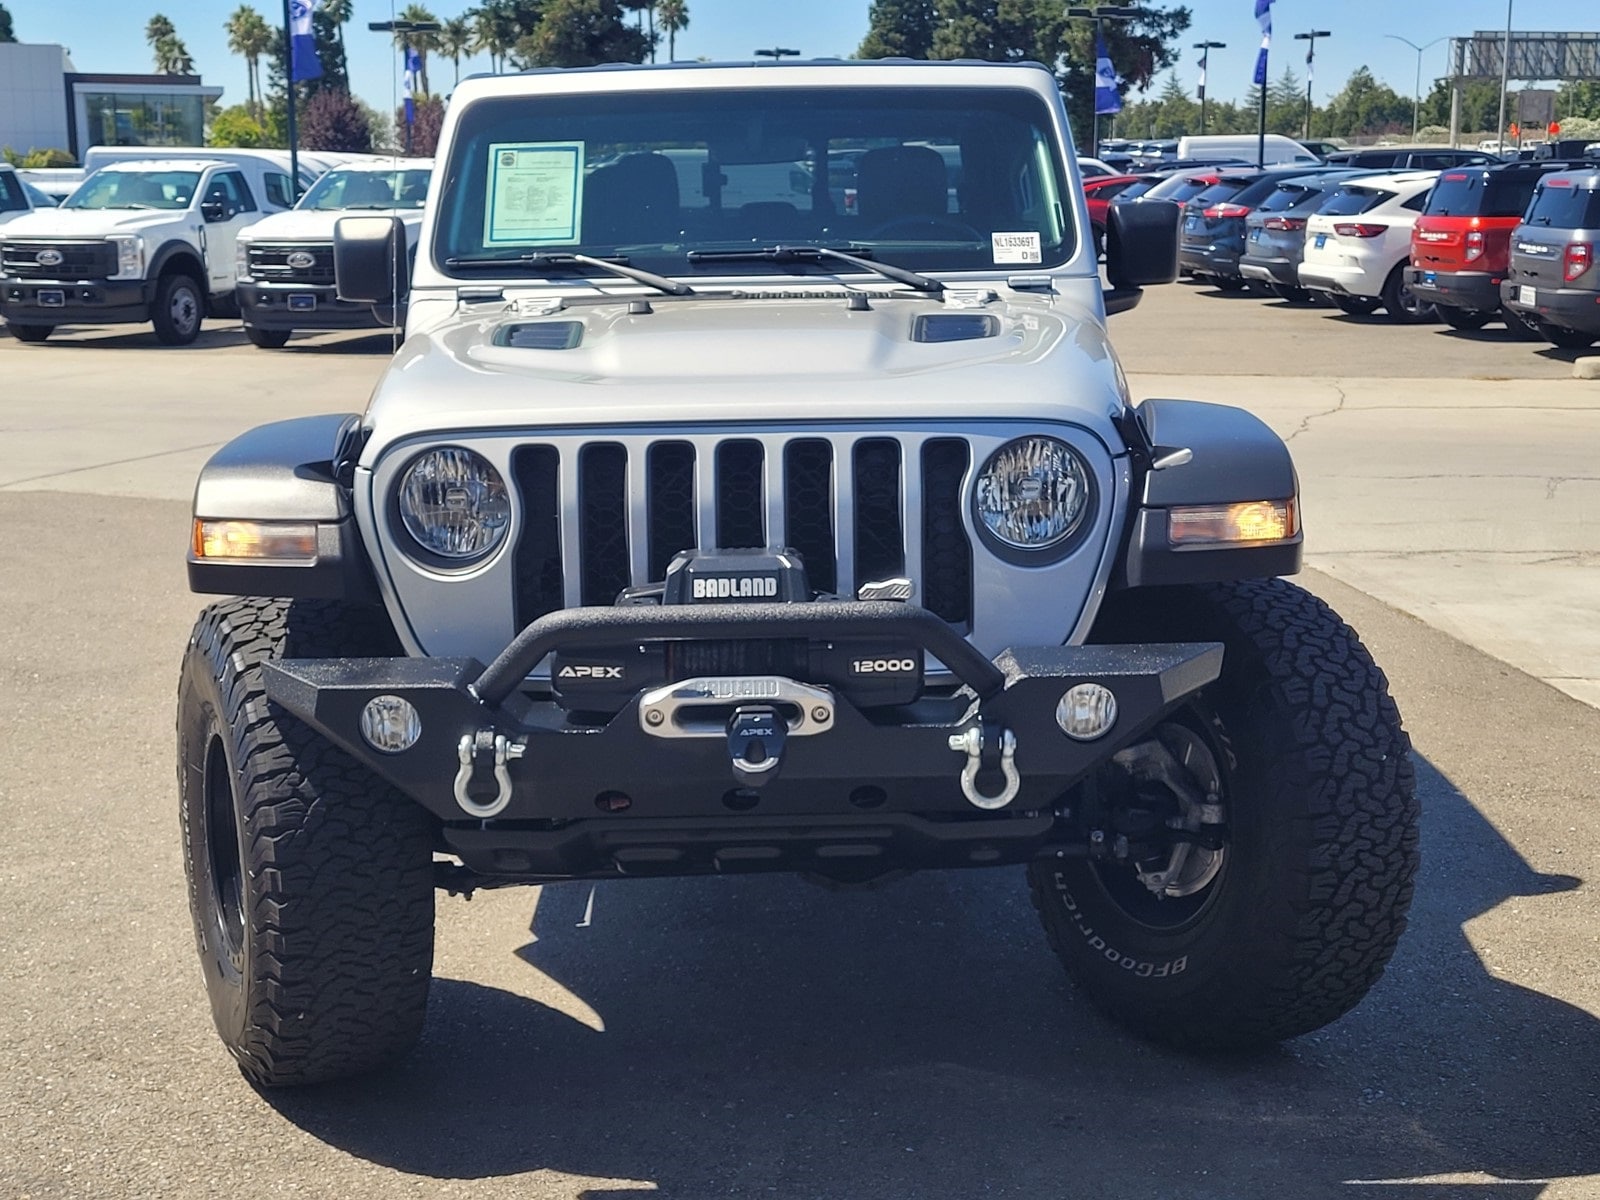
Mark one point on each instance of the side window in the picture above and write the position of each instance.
(1417, 203)
(278, 192)
(243, 201)
(11, 197)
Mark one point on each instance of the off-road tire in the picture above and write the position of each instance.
(316, 932)
(30, 333)
(1356, 306)
(1290, 295)
(1403, 305)
(174, 292)
(1228, 283)
(1464, 319)
(267, 339)
(1321, 826)
(1566, 339)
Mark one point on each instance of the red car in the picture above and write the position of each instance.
(1461, 245)
(1100, 191)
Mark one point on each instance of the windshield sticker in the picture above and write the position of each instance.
(1016, 248)
(535, 193)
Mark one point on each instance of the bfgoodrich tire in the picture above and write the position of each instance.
(1304, 903)
(310, 881)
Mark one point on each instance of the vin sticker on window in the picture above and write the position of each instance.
(535, 194)
(1016, 248)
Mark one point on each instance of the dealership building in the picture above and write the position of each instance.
(47, 104)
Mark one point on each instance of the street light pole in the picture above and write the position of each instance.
(405, 27)
(1505, 77)
(1205, 49)
(1100, 15)
(1416, 111)
(1311, 68)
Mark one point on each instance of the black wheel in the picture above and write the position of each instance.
(1292, 774)
(1291, 295)
(1461, 318)
(1566, 339)
(1519, 327)
(267, 339)
(1356, 306)
(1402, 304)
(310, 880)
(1099, 232)
(1228, 283)
(179, 305)
(30, 333)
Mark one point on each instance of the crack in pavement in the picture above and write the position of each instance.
(1305, 422)
(117, 462)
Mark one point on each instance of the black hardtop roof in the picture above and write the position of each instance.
(1587, 176)
(766, 65)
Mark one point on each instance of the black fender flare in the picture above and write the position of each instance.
(176, 253)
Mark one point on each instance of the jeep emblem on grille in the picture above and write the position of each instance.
(49, 258)
(300, 260)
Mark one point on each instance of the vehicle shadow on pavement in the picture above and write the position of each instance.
(141, 338)
(761, 1036)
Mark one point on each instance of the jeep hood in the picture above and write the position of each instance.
(83, 223)
(733, 359)
(316, 224)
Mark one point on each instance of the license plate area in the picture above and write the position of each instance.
(1528, 296)
(52, 298)
(1431, 278)
(1322, 240)
(302, 302)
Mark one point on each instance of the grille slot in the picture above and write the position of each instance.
(600, 516)
(880, 535)
(946, 552)
(79, 260)
(270, 264)
(537, 471)
(741, 494)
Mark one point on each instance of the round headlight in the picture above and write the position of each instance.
(1032, 493)
(454, 503)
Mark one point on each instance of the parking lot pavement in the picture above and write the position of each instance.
(1454, 478)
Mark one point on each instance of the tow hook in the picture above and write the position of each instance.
(973, 743)
(756, 737)
(467, 750)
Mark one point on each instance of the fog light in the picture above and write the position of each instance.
(390, 724)
(1087, 711)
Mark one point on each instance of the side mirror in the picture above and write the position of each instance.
(1141, 249)
(214, 211)
(370, 262)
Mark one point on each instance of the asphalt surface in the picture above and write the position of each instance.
(726, 1037)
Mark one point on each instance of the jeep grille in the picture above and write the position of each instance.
(79, 260)
(609, 515)
(269, 263)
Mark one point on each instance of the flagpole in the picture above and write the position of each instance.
(288, 75)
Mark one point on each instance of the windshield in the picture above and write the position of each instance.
(930, 179)
(1352, 201)
(369, 189)
(1562, 205)
(11, 197)
(1481, 194)
(135, 189)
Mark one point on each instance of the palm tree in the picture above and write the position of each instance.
(674, 19)
(250, 37)
(339, 12)
(456, 39)
(172, 57)
(495, 30)
(421, 42)
(156, 28)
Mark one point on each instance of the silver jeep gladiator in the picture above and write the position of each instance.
(757, 490)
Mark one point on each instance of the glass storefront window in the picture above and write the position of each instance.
(144, 119)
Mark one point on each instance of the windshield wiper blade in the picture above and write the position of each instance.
(543, 260)
(787, 254)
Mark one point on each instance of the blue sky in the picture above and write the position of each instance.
(108, 35)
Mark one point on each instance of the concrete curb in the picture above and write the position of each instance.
(1586, 368)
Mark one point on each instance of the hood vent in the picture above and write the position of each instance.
(541, 335)
(955, 327)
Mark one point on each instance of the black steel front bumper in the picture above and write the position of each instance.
(288, 307)
(883, 786)
(82, 301)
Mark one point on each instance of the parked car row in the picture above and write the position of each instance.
(1470, 244)
(171, 237)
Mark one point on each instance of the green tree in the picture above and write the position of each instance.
(455, 40)
(249, 36)
(156, 28)
(674, 19)
(6, 32)
(1580, 98)
(497, 26)
(236, 126)
(580, 33)
(338, 14)
(426, 129)
(334, 121)
(172, 57)
(1365, 107)
(422, 42)
(900, 29)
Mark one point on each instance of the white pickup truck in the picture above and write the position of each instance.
(149, 240)
(285, 262)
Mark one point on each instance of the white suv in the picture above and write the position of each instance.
(138, 241)
(1358, 245)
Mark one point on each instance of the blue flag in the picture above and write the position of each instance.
(413, 82)
(1264, 15)
(303, 60)
(1107, 99)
